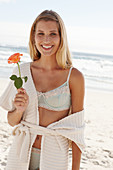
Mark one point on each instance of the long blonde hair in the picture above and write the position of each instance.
(63, 56)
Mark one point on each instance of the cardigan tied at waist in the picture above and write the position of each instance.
(23, 131)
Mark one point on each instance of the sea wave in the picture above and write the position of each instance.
(97, 69)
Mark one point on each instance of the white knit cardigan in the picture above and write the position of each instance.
(55, 137)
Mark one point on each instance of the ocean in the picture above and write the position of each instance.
(97, 69)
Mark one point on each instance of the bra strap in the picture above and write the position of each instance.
(69, 74)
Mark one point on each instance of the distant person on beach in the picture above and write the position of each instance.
(48, 112)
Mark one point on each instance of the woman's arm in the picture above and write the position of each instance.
(77, 93)
(20, 103)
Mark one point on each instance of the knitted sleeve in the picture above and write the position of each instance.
(78, 135)
(7, 97)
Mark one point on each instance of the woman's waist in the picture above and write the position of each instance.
(37, 142)
(47, 117)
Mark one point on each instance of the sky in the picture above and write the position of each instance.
(89, 23)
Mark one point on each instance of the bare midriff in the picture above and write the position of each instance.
(47, 117)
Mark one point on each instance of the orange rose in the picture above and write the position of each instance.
(18, 82)
(15, 58)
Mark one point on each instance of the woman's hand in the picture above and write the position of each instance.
(21, 100)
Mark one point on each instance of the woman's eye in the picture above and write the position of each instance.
(40, 33)
(53, 34)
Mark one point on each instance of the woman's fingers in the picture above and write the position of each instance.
(21, 97)
(19, 103)
(22, 93)
(21, 90)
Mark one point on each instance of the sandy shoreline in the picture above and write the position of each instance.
(99, 130)
(98, 154)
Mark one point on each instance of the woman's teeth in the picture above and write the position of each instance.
(47, 47)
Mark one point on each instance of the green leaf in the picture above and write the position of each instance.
(18, 83)
(13, 77)
(25, 78)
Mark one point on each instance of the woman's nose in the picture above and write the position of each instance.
(47, 38)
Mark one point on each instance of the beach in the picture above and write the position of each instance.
(98, 154)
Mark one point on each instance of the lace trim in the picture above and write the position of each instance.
(64, 89)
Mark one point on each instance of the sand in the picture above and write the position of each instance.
(98, 154)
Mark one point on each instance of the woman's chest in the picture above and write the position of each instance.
(48, 80)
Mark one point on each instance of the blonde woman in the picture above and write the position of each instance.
(48, 111)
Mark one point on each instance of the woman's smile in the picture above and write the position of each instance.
(45, 47)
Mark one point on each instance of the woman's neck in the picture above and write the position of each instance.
(48, 63)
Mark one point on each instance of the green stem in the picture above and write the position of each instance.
(19, 70)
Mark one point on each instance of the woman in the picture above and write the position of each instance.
(41, 108)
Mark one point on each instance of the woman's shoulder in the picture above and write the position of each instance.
(76, 74)
(76, 78)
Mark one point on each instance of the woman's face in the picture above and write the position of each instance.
(47, 38)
